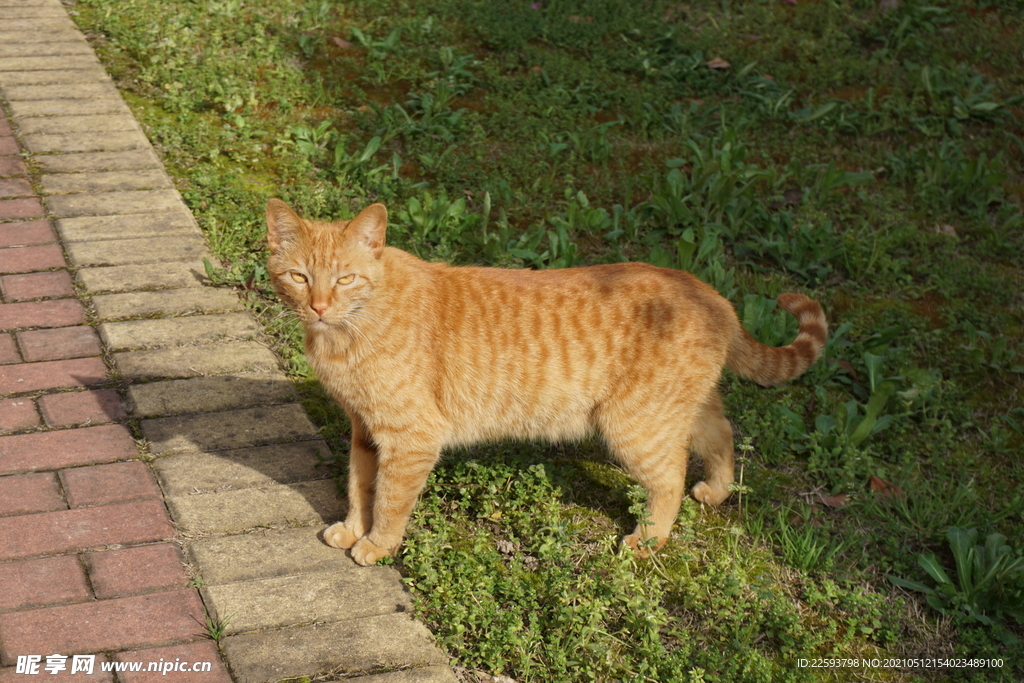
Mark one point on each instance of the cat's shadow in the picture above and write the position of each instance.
(307, 469)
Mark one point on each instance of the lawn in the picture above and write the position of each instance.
(868, 154)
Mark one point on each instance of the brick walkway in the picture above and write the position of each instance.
(155, 467)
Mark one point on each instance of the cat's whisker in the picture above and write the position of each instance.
(353, 328)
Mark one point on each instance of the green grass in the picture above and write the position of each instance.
(868, 154)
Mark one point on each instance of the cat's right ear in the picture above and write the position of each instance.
(283, 224)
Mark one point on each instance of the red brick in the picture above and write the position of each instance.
(11, 166)
(103, 625)
(5, 127)
(20, 209)
(8, 145)
(130, 571)
(56, 283)
(60, 313)
(15, 187)
(42, 451)
(17, 414)
(25, 233)
(49, 533)
(54, 374)
(117, 482)
(22, 494)
(29, 259)
(8, 675)
(57, 343)
(187, 654)
(78, 407)
(46, 581)
(8, 351)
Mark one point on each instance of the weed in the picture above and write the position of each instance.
(989, 585)
(803, 546)
(216, 627)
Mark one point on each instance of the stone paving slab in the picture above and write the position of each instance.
(308, 597)
(105, 181)
(65, 107)
(164, 302)
(34, 11)
(81, 124)
(34, 26)
(140, 277)
(43, 49)
(268, 553)
(132, 226)
(63, 91)
(113, 203)
(424, 674)
(76, 75)
(187, 474)
(362, 645)
(164, 332)
(97, 161)
(195, 361)
(85, 142)
(208, 394)
(187, 247)
(50, 63)
(228, 429)
(302, 503)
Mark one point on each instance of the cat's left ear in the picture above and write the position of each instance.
(369, 226)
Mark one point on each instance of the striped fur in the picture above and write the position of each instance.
(423, 356)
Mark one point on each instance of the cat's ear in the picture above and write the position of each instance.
(283, 224)
(369, 226)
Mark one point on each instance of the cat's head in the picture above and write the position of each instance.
(325, 271)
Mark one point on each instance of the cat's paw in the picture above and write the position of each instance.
(340, 536)
(633, 542)
(703, 493)
(365, 552)
(642, 546)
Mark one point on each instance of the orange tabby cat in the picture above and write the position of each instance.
(423, 356)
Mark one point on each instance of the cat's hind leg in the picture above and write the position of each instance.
(712, 439)
(362, 473)
(656, 456)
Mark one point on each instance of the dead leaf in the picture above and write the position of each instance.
(577, 19)
(945, 229)
(885, 490)
(888, 5)
(341, 42)
(848, 366)
(718, 63)
(834, 501)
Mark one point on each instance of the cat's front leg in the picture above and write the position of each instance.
(400, 478)
(362, 472)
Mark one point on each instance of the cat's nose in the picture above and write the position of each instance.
(320, 308)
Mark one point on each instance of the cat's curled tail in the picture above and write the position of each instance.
(767, 365)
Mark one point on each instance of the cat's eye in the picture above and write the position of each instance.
(346, 279)
(299, 277)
